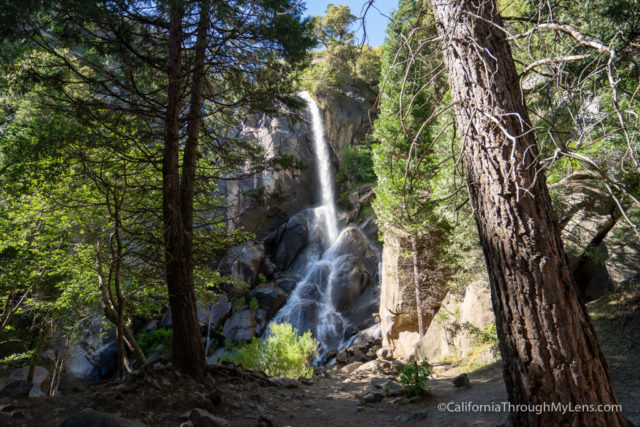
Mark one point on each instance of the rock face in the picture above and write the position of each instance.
(270, 298)
(94, 358)
(603, 250)
(240, 326)
(261, 202)
(461, 328)
(346, 116)
(397, 312)
(292, 238)
(243, 261)
(585, 212)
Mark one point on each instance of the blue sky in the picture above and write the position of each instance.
(376, 19)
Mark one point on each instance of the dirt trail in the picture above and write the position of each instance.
(159, 395)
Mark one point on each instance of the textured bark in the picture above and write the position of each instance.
(548, 344)
(188, 351)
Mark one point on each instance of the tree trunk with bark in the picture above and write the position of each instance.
(548, 344)
(188, 350)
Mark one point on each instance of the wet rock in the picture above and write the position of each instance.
(287, 284)
(461, 380)
(90, 417)
(240, 326)
(219, 312)
(262, 202)
(261, 321)
(201, 418)
(270, 297)
(292, 238)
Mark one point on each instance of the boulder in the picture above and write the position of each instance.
(370, 228)
(243, 262)
(287, 284)
(270, 297)
(292, 238)
(94, 358)
(622, 259)
(476, 308)
(201, 418)
(41, 375)
(219, 312)
(585, 211)
(461, 380)
(353, 278)
(240, 326)
(90, 417)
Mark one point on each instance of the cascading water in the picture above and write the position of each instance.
(325, 175)
(311, 306)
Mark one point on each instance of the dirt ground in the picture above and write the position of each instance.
(159, 395)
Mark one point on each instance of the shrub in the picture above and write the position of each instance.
(414, 377)
(283, 354)
(148, 341)
(357, 164)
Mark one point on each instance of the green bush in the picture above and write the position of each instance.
(357, 164)
(414, 377)
(283, 354)
(148, 341)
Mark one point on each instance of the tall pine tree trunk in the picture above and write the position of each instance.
(548, 344)
(188, 351)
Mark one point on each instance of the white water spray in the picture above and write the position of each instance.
(325, 174)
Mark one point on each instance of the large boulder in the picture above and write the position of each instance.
(399, 319)
(270, 297)
(240, 326)
(353, 242)
(352, 278)
(292, 238)
(243, 262)
(94, 357)
(585, 211)
(622, 247)
(34, 388)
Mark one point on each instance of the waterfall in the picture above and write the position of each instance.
(323, 162)
(311, 305)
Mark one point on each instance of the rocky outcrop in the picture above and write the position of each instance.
(94, 357)
(243, 262)
(292, 238)
(270, 298)
(260, 202)
(240, 326)
(602, 249)
(397, 311)
(585, 213)
(347, 115)
(464, 326)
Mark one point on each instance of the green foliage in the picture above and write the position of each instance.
(487, 335)
(414, 377)
(356, 164)
(342, 61)
(283, 353)
(148, 341)
(262, 278)
(253, 304)
(238, 305)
